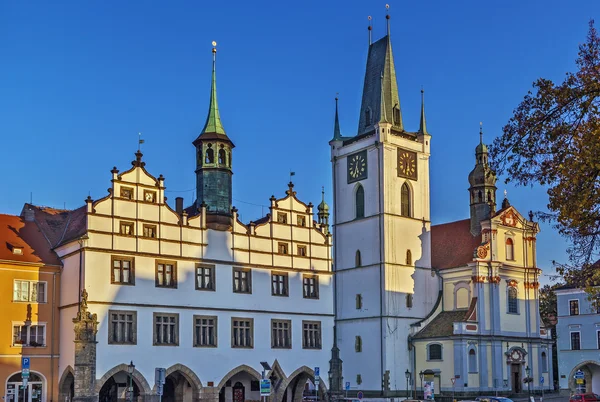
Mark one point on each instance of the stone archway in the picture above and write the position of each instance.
(591, 371)
(293, 386)
(240, 384)
(138, 379)
(181, 384)
(66, 385)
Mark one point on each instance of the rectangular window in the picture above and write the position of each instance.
(310, 286)
(302, 251)
(279, 284)
(29, 335)
(358, 301)
(575, 341)
(242, 280)
(282, 248)
(122, 271)
(205, 331)
(122, 327)
(150, 231)
(573, 307)
(241, 332)
(166, 329)
(281, 217)
(301, 220)
(126, 228)
(311, 334)
(166, 274)
(29, 291)
(281, 335)
(127, 193)
(205, 277)
(149, 196)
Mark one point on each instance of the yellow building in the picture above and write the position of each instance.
(29, 286)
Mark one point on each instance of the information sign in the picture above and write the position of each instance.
(265, 387)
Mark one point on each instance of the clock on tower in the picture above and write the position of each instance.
(407, 164)
(357, 166)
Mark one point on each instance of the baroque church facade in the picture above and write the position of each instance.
(448, 308)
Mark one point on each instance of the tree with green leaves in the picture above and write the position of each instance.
(553, 139)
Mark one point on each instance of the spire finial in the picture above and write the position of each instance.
(387, 18)
(370, 28)
(481, 132)
(213, 120)
(505, 193)
(337, 134)
(423, 125)
(323, 193)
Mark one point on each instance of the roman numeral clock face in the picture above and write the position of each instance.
(357, 166)
(407, 164)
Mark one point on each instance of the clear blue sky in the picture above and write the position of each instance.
(80, 79)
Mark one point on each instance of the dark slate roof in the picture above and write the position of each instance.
(442, 325)
(16, 232)
(59, 226)
(452, 244)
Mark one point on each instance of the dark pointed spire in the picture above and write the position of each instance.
(423, 124)
(337, 134)
(213, 120)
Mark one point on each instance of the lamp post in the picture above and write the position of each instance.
(527, 372)
(130, 370)
(421, 377)
(407, 375)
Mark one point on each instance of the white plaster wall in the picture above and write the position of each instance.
(366, 363)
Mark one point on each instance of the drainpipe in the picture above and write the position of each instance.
(54, 330)
(381, 245)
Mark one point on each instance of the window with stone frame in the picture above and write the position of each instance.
(166, 329)
(242, 332)
(357, 344)
(281, 334)
(210, 155)
(281, 217)
(29, 335)
(396, 114)
(310, 286)
(359, 301)
(357, 259)
(242, 280)
(122, 270)
(126, 193)
(221, 157)
(544, 362)
(126, 228)
(301, 219)
(205, 331)
(311, 335)
(150, 231)
(29, 291)
(302, 251)
(513, 300)
(279, 284)
(472, 361)
(122, 327)
(360, 202)
(434, 351)
(573, 307)
(166, 274)
(205, 277)
(282, 248)
(409, 300)
(575, 340)
(510, 249)
(405, 200)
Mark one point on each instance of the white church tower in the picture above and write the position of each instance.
(382, 260)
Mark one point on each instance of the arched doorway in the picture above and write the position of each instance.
(300, 386)
(591, 380)
(239, 385)
(66, 386)
(33, 391)
(181, 385)
(113, 386)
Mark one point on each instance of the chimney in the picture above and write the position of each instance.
(179, 205)
(29, 214)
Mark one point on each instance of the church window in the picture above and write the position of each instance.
(434, 351)
(360, 202)
(359, 301)
(281, 217)
(405, 200)
(462, 297)
(396, 114)
(409, 300)
(479, 196)
(408, 257)
(513, 301)
(210, 155)
(367, 117)
(544, 363)
(510, 249)
(489, 196)
(472, 361)
(358, 344)
(357, 259)
(221, 157)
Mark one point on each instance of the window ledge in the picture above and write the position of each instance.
(206, 346)
(435, 360)
(508, 312)
(165, 344)
(280, 295)
(206, 289)
(29, 302)
(123, 283)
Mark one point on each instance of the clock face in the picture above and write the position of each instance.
(407, 164)
(357, 166)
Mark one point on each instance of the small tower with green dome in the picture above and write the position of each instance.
(323, 212)
(482, 190)
(213, 163)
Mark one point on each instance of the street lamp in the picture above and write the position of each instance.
(527, 372)
(130, 370)
(407, 375)
(421, 377)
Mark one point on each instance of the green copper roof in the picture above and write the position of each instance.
(337, 134)
(213, 120)
(423, 124)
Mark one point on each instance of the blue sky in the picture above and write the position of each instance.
(79, 80)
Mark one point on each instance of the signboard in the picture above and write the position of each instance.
(159, 379)
(541, 380)
(347, 385)
(317, 372)
(579, 381)
(579, 375)
(265, 387)
(359, 395)
(453, 380)
(25, 367)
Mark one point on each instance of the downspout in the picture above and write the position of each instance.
(54, 330)
(381, 245)
(333, 266)
(492, 310)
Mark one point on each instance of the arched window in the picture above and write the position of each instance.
(544, 363)
(489, 195)
(358, 344)
(510, 249)
(396, 113)
(221, 156)
(409, 300)
(229, 160)
(360, 202)
(368, 117)
(357, 259)
(472, 361)
(199, 157)
(434, 351)
(462, 297)
(513, 301)
(408, 257)
(210, 156)
(405, 200)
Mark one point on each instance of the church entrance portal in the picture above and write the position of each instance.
(515, 375)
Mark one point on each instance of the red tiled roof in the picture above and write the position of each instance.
(452, 244)
(442, 325)
(15, 232)
(59, 225)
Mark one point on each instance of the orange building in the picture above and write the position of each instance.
(29, 289)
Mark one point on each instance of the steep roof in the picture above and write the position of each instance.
(59, 226)
(452, 244)
(17, 233)
(442, 325)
